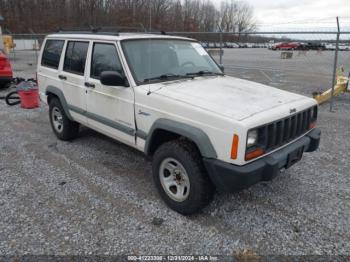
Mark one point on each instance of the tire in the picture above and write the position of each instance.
(182, 155)
(4, 85)
(63, 128)
(12, 98)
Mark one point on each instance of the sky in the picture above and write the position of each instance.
(293, 14)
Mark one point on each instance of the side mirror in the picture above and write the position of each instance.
(113, 78)
(222, 68)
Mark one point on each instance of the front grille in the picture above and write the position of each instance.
(281, 132)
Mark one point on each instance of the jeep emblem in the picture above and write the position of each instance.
(293, 110)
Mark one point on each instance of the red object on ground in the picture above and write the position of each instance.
(286, 46)
(5, 68)
(29, 98)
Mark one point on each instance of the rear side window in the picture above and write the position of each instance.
(74, 61)
(105, 58)
(52, 53)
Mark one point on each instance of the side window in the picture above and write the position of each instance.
(105, 58)
(74, 61)
(52, 53)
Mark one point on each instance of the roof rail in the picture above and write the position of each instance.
(103, 29)
(108, 30)
(85, 30)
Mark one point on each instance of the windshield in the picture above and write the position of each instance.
(166, 59)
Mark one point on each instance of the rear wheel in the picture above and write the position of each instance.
(62, 126)
(181, 178)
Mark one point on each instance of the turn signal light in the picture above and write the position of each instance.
(234, 149)
(254, 154)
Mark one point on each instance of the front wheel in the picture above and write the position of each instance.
(181, 178)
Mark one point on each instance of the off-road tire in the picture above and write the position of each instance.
(201, 188)
(70, 129)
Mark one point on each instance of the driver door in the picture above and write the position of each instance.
(110, 109)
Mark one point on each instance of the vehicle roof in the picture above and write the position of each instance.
(114, 37)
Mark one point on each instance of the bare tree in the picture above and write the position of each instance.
(44, 16)
(245, 17)
(236, 16)
(209, 16)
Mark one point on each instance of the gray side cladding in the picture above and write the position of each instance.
(56, 91)
(193, 133)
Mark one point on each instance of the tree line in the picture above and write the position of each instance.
(43, 16)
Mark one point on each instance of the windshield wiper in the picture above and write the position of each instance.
(204, 72)
(166, 77)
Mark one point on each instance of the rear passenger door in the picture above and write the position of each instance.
(110, 109)
(73, 79)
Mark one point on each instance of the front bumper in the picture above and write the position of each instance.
(230, 178)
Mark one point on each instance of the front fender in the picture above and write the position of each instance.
(195, 134)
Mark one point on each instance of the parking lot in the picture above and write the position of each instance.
(305, 73)
(96, 196)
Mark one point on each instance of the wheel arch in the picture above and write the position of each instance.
(175, 129)
(56, 92)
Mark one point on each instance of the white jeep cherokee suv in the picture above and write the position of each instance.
(167, 97)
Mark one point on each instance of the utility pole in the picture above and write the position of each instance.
(334, 80)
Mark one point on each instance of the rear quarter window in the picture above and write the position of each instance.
(52, 53)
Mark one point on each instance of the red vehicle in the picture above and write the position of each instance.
(6, 74)
(286, 46)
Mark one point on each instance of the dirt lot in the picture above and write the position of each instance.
(96, 196)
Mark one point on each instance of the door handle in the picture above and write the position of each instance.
(62, 77)
(89, 85)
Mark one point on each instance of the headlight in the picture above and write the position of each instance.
(252, 139)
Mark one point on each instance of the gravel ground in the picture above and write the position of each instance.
(96, 196)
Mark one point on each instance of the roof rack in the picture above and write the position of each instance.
(85, 30)
(109, 30)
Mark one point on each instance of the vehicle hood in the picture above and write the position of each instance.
(227, 96)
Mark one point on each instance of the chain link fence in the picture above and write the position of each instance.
(24, 53)
(296, 61)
